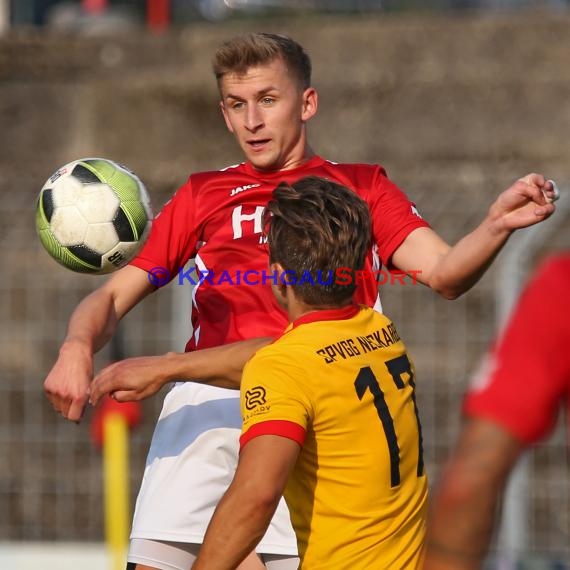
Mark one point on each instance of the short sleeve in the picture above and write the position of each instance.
(173, 238)
(526, 375)
(274, 399)
(394, 216)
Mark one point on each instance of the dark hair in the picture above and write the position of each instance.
(314, 227)
(242, 52)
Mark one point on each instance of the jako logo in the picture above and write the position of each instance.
(240, 189)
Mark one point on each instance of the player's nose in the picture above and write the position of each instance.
(253, 119)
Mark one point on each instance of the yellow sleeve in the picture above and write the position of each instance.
(274, 392)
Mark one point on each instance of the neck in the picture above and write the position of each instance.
(290, 163)
(296, 309)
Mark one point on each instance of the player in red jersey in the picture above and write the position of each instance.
(513, 402)
(267, 101)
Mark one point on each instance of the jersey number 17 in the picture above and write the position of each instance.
(366, 380)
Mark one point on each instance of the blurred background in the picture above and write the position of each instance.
(456, 98)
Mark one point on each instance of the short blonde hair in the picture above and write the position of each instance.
(240, 53)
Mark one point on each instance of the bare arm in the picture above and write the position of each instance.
(91, 325)
(243, 515)
(466, 499)
(139, 378)
(451, 271)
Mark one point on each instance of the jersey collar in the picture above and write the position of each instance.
(327, 315)
(274, 174)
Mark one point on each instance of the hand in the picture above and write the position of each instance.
(130, 379)
(67, 384)
(523, 204)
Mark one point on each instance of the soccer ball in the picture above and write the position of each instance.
(93, 215)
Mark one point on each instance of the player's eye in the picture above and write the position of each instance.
(268, 101)
(237, 105)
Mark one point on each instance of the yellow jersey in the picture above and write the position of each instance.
(340, 383)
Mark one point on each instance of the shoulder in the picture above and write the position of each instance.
(358, 170)
(555, 268)
(548, 284)
(282, 355)
(370, 181)
(273, 373)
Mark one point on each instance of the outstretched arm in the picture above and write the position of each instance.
(467, 497)
(91, 325)
(451, 271)
(243, 515)
(139, 378)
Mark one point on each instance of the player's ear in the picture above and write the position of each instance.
(226, 118)
(310, 103)
(278, 283)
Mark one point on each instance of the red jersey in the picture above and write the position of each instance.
(526, 376)
(216, 218)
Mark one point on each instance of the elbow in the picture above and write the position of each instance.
(450, 294)
(450, 285)
(263, 501)
(452, 493)
(267, 500)
(445, 290)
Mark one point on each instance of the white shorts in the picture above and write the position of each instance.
(181, 555)
(191, 462)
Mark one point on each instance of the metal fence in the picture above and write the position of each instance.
(50, 473)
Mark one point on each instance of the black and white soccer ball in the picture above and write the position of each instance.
(93, 215)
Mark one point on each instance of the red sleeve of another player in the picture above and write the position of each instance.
(527, 373)
(173, 237)
(394, 216)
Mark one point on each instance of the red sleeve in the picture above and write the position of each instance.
(284, 428)
(174, 234)
(526, 375)
(394, 216)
